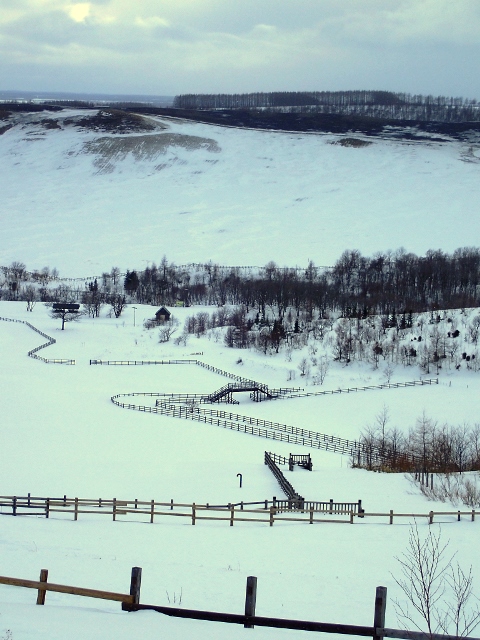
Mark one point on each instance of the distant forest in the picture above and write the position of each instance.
(374, 104)
(386, 283)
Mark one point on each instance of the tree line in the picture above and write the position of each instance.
(391, 283)
(376, 104)
(427, 447)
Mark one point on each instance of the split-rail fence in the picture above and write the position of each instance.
(267, 511)
(130, 602)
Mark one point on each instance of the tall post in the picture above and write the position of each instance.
(250, 599)
(135, 584)
(379, 616)
(42, 592)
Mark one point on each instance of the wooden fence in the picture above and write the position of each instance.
(131, 602)
(386, 385)
(33, 352)
(295, 500)
(266, 511)
(277, 431)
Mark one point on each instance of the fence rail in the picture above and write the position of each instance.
(386, 385)
(249, 619)
(262, 428)
(33, 352)
(267, 511)
(295, 500)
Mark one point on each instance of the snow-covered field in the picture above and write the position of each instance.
(84, 201)
(61, 434)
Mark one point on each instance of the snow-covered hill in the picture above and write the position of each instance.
(83, 196)
(60, 433)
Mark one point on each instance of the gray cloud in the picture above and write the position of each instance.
(174, 46)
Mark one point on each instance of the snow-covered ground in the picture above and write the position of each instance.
(61, 434)
(79, 202)
(84, 201)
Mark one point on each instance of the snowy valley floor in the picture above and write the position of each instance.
(61, 434)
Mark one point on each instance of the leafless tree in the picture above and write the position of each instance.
(167, 330)
(437, 592)
(118, 304)
(31, 297)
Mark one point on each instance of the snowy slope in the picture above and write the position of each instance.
(61, 434)
(84, 201)
(72, 196)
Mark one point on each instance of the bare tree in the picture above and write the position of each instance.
(167, 330)
(31, 297)
(437, 592)
(118, 304)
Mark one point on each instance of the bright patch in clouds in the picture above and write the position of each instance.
(79, 11)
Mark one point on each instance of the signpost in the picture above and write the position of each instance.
(62, 309)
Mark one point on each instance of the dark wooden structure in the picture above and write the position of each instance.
(301, 460)
(162, 315)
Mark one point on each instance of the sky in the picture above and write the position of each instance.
(169, 47)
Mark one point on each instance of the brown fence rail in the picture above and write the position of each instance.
(264, 511)
(249, 619)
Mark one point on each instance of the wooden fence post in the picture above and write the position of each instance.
(272, 513)
(47, 508)
(114, 509)
(135, 584)
(379, 616)
(193, 513)
(152, 510)
(232, 514)
(75, 517)
(250, 599)
(391, 516)
(41, 592)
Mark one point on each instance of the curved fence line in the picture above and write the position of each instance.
(247, 424)
(169, 404)
(33, 352)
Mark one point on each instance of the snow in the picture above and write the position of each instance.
(240, 197)
(235, 197)
(62, 435)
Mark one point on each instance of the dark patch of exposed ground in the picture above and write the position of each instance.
(115, 121)
(110, 150)
(326, 123)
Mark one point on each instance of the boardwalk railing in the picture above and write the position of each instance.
(266, 511)
(33, 352)
(295, 500)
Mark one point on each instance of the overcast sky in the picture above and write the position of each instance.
(167, 47)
